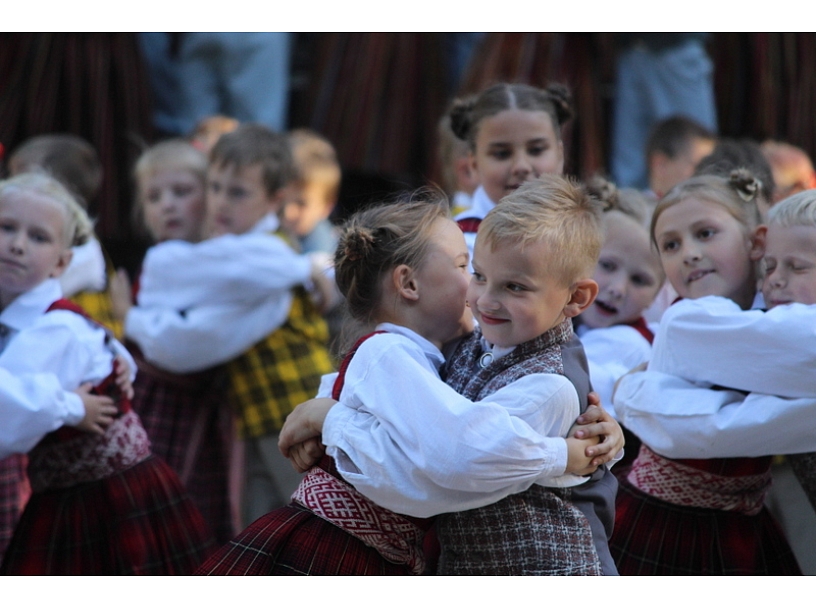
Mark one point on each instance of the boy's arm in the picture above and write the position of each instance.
(712, 341)
(679, 419)
(227, 269)
(195, 340)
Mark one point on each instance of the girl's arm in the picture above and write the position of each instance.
(712, 341)
(679, 419)
(31, 406)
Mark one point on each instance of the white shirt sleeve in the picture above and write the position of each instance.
(227, 269)
(611, 353)
(412, 444)
(202, 337)
(712, 341)
(679, 419)
(31, 406)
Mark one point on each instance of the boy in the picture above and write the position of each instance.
(276, 345)
(306, 214)
(674, 148)
(533, 260)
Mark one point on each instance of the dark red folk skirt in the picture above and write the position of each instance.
(653, 537)
(136, 522)
(294, 541)
(171, 407)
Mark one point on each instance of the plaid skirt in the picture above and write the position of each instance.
(135, 522)
(653, 537)
(190, 426)
(14, 493)
(294, 541)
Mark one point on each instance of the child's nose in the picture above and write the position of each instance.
(522, 165)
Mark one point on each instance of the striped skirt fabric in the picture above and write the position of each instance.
(294, 541)
(653, 537)
(190, 426)
(135, 522)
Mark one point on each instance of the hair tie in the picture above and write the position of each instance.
(359, 245)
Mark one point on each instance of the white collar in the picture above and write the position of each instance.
(495, 353)
(26, 308)
(267, 224)
(481, 205)
(431, 351)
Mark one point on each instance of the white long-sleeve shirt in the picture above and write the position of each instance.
(44, 358)
(409, 442)
(710, 341)
(204, 304)
(611, 353)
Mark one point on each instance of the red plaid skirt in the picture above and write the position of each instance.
(294, 541)
(136, 522)
(14, 493)
(653, 537)
(176, 408)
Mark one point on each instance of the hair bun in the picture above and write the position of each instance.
(604, 191)
(561, 98)
(745, 183)
(460, 116)
(358, 244)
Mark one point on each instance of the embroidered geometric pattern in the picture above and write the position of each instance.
(393, 536)
(683, 485)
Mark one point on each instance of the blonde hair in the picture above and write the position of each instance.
(798, 210)
(737, 194)
(557, 211)
(315, 160)
(78, 227)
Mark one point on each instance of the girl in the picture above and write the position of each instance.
(403, 270)
(702, 516)
(613, 330)
(514, 134)
(185, 415)
(100, 504)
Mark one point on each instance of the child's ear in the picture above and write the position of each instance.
(583, 294)
(405, 282)
(62, 263)
(758, 239)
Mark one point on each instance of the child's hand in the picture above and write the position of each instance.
(123, 375)
(120, 292)
(577, 460)
(306, 454)
(596, 422)
(99, 411)
(305, 422)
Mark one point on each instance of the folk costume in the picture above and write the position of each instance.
(706, 515)
(514, 439)
(100, 504)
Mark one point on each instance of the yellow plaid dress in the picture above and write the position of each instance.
(281, 371)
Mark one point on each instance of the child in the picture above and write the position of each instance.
(100, 504)
(402, 269)
(185, 415)
(402, 481)
(238, 299)
(791, 167)
(613, 330)
(458, 176)
(75, 163)
(514, 135)
(674, 148)
(712, 509)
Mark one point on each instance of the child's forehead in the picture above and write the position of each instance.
(793, 238)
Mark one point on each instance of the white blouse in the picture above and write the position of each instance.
(204, 304)
(409, 442)
(712, 342)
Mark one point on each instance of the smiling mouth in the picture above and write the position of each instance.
(696, 275)
(9, 263)
(606, 309)
(490, 320)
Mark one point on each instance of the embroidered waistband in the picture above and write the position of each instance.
(55, 464)
(683, 485)
(396, 538)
